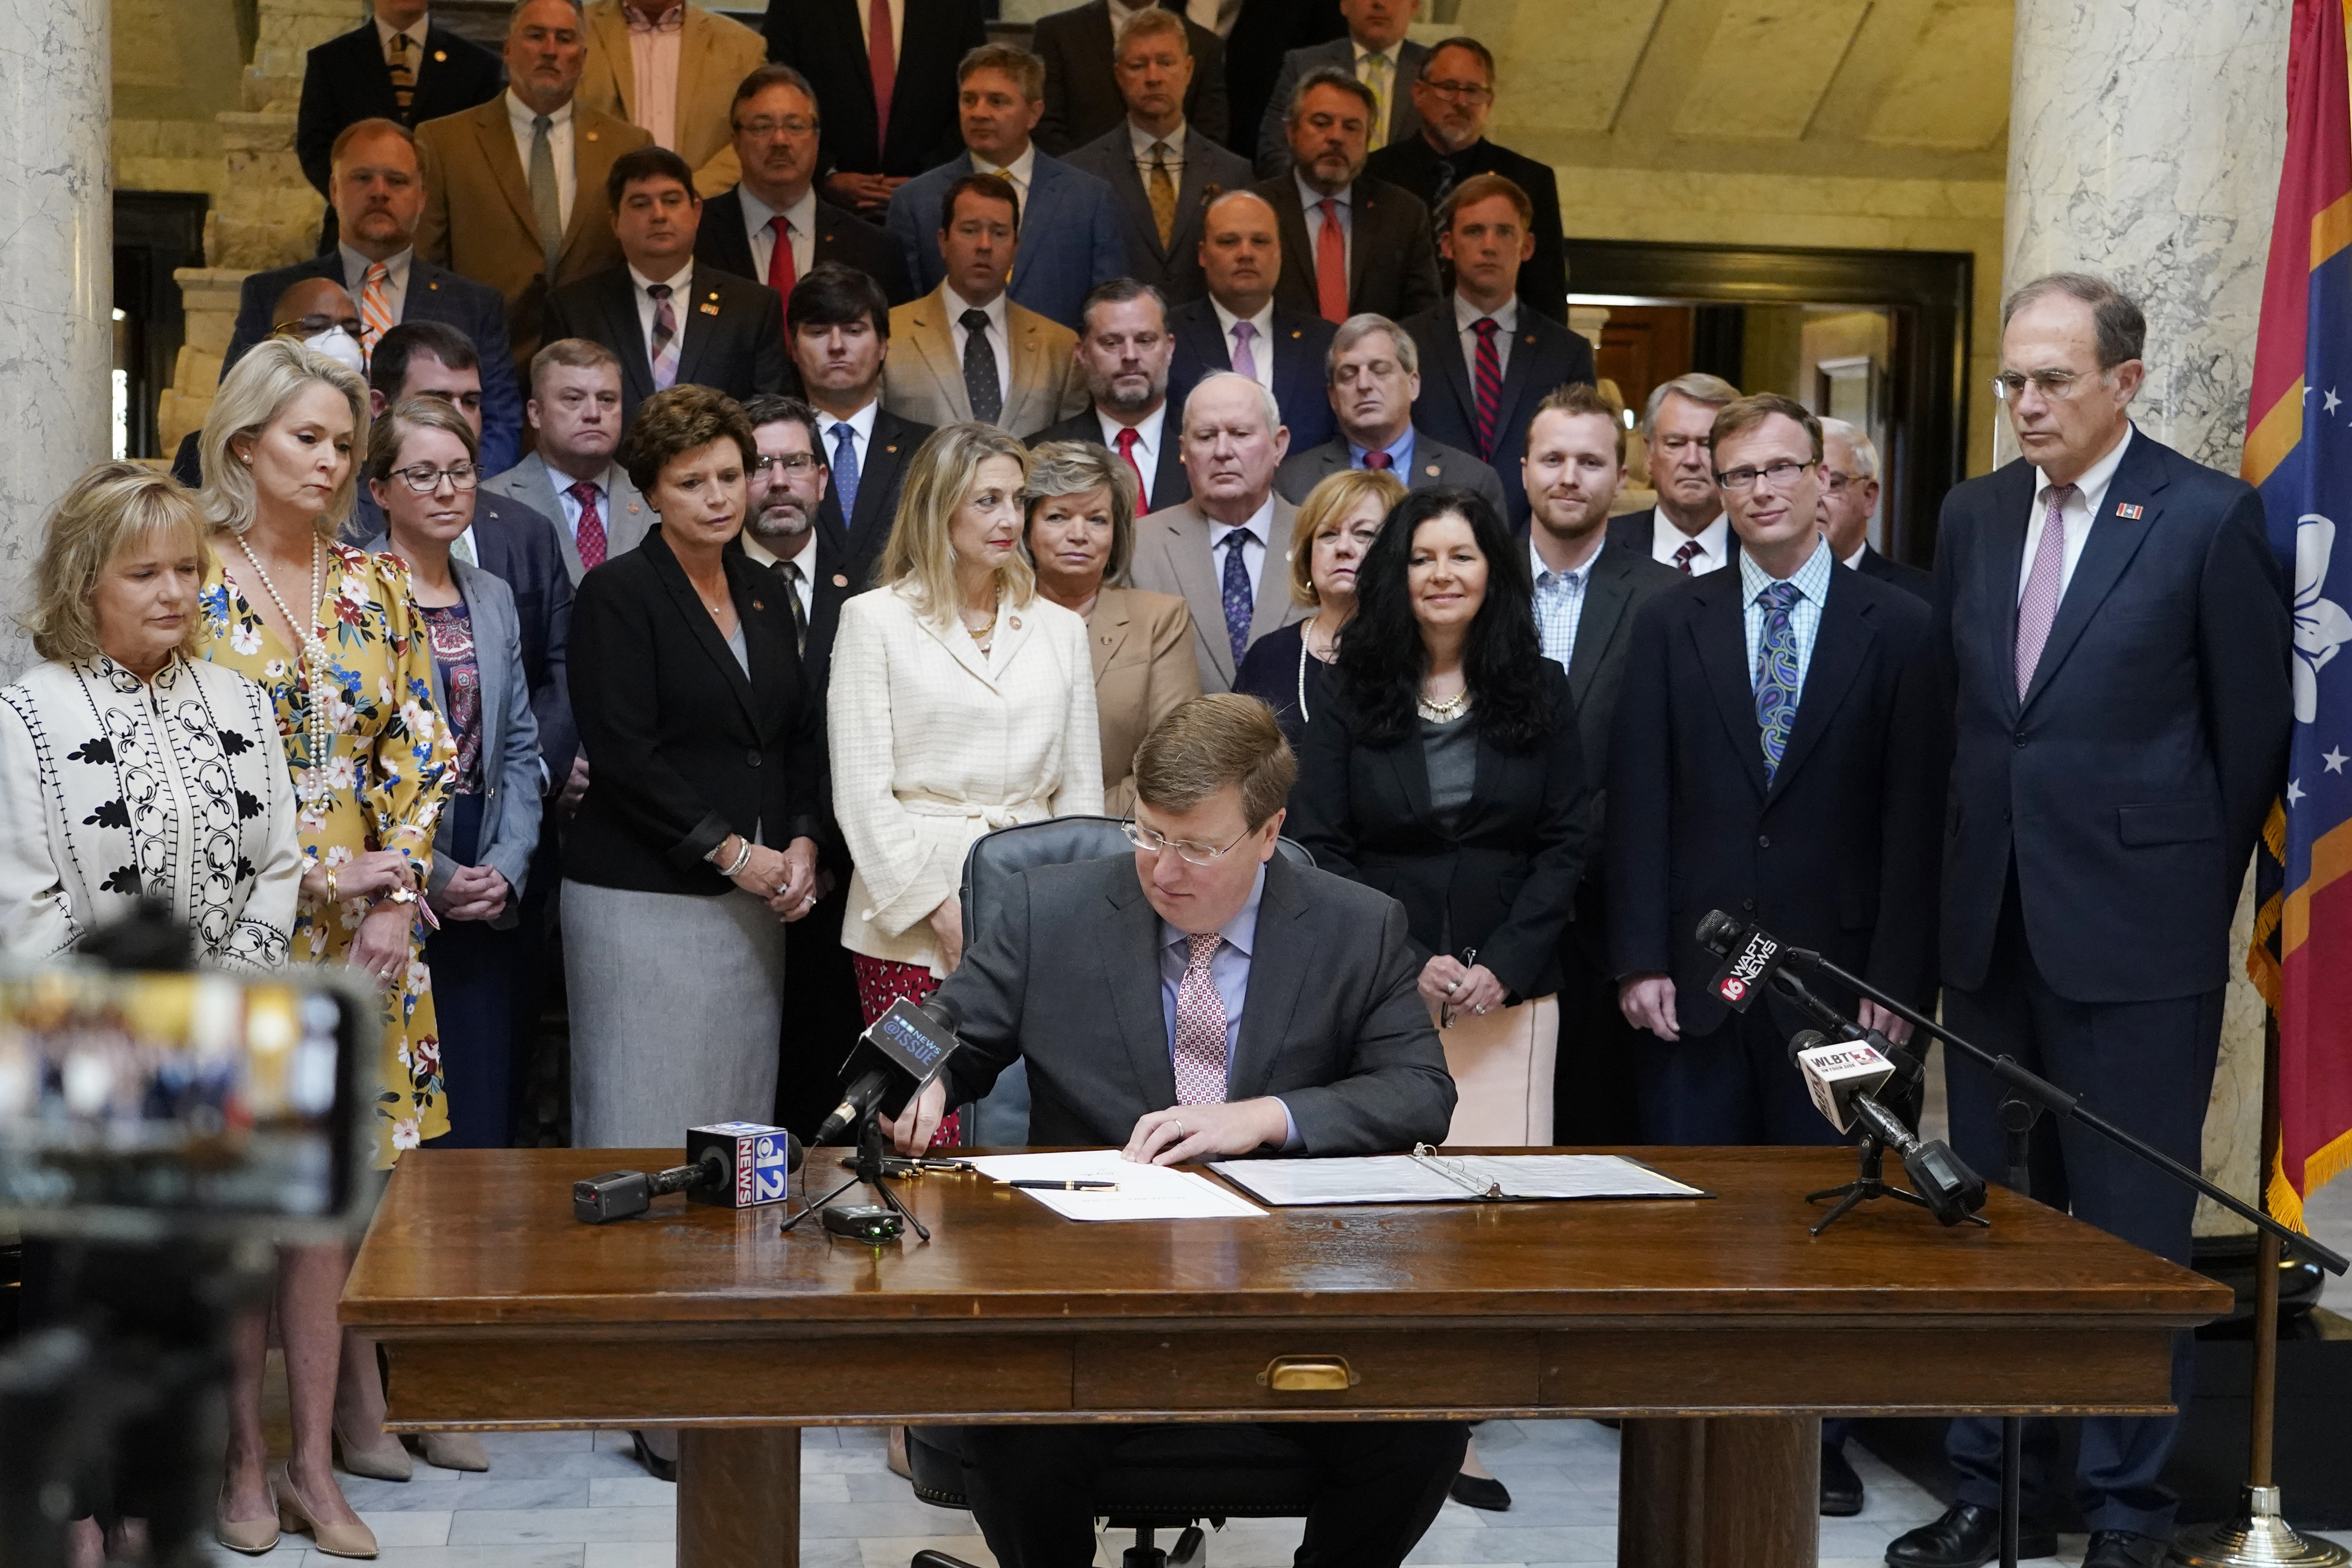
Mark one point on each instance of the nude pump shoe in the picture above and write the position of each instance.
(334, 1539)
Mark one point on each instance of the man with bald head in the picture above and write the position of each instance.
(1241, 327)
(1226, 549)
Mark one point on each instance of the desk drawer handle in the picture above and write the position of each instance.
(1308, 1374)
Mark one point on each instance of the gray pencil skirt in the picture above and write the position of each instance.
(677, 1004)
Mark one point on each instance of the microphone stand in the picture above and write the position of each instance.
(1870, 1182)
(2018, 1116)
(868, 1167)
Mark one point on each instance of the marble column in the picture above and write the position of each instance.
(2144, 145)
(56, 274)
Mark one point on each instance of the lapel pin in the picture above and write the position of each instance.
(591, 135)
(710, 306)
(1432, 471)
(633, 506)
(2133, 512)
(759, 604)
(890, 449)
(440, 57)
(840, 581)
(1016, 623)
(432, 286)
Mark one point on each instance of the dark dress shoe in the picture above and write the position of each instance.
(1966, 1536)
(661, 1469)
(1841, 1487)
(2122, 1549)
(1480, 1491)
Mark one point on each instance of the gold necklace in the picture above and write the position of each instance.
(310, 667)
(1447, 711)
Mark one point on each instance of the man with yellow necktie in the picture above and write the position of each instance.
(1376, 52)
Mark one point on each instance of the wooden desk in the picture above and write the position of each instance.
(1721, 1328)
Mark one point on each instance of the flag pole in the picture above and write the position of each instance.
(2260, 1537)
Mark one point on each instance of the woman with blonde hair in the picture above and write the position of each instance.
(962, 701)
(333, 635)
(1079, 538)
(1335, 525)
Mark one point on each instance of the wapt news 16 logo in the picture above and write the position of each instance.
(1743, 972)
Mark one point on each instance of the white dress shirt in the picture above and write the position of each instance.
(1148, 431)
(800, 219)
(1466, 315)
(1018, 172)
(805, 558)
(1260, 341)
(1143, 141)
(1261, 529)
(681, 295)
(1000, 336)
(1386, 87)
(570, 504)
(1309, 204)
(2075, 518)
(861, 437)
(1217, 15)
(395, 281)
(1713, 543)
(897, 26)
(653, 56)
(415, 33)
(559, 141)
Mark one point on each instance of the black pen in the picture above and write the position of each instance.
(1066, 1186)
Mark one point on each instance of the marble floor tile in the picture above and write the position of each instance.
(894, 1551)
(473, 1492)
(640, 1490)
(415, 1527)
(536, 1554)
(578, 1525)
(632, 1554)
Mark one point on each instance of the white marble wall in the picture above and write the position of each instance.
(57, 275)
(2144, 144)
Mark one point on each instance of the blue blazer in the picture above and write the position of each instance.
(2128, 786)
(1070, 239)
(510, 778)
(1545, 357)
(434, 294)
(1300, 386)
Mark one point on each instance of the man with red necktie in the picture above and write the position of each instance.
(1363, 244)
(1124, 351)
(889, 86)
(1374, 371)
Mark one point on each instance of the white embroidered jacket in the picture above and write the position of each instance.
(111, 787)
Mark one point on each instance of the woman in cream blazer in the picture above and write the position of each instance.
(961, 702)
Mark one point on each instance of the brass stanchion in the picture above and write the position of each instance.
(2260, 1537)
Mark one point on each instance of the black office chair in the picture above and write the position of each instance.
(1162, 1478)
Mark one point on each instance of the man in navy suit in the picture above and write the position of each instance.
(1124, 351)
(1068, 221)
(776, 141)
(838, 325)
(1687, 529)
(888, 102)
(1375, 52)
(359, 75)
(379, 195)
(1086, 96)
(1487, 361)
(1849, 497)
(2119, 643)
(1240, 328)
(1778, 754)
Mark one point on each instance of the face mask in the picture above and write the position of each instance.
(341, 347)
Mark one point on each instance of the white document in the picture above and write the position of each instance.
(1434, 1178)
(1144, 1192)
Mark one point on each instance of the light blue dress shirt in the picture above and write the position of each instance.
(1229, 970)
(1812, 580)
(1400, 453)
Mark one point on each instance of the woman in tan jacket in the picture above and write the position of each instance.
(1080, 536)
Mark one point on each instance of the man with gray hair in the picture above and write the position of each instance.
(1372, 375)
(2115, 636)
(1849, 497)
(1217, 550)
(1687, 529)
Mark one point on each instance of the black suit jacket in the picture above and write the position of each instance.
(1634, 530)
(1170, 485)
(1501, 882)
(1837, 853)
(1301, 340)
(1082, 96)
(1544, 356)
(1263, 32)
(345, 80)
(1173, 268)
(688, 749)
(1910, 579)
(1391, 258)
(823, 40)
(2128, 786)
(842, 237)
(434, 294)
(1067, 978)
(1420, 168)
(855, 542)
(734, 332)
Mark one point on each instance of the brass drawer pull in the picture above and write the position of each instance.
(1308, 1374)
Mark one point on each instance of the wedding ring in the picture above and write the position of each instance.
(1180, 1130)
(1450, 990)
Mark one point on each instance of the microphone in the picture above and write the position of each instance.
(1753, 947)
(1839, 1073)
(898, 1054)
(1750, 959)
(862, 1098)
(731, 1165)
(1842, 1079)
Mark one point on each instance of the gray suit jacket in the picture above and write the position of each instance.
(629, 519)
(1435, 466)
(1332, 1024)
(1171, 556)
(1272, 132)
(1173, 268)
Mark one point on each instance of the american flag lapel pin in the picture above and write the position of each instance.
(2125, 510)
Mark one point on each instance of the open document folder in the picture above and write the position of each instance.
(1144, 1192)
(1426, 1176)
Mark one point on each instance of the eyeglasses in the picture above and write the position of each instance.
(791, 125)
(1144, 838)
(792, 463)
(1463, 91)
(311, 326)
(425, 479)
(1838, 481)
(1780, 473)
(2057, 385)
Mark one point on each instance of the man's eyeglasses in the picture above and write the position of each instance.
(1838, 481)
(311, 326)
(1145, 839)
(1462, 91)
(791, 125)
(793, 465)
(1744, 478)
(425, 479)
(2057, 385)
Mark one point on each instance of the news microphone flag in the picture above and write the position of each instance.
(2298, 453)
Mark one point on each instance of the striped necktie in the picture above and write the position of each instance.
(665, 338)
(375, 307)
(403, 76)
(1490, 385)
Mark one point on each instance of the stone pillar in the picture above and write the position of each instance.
(57, 257)
(2144, 145)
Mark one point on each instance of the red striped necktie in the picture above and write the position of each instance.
(1490, 385)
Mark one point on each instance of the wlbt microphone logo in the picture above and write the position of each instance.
(1744, 971)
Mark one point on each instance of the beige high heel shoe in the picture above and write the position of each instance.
(455, 1450)
(295, 1514)
(384, 1460)
(251, 1536)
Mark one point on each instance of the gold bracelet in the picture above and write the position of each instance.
(331, 899)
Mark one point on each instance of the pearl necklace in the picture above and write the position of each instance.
(1447, 711)
(311, 667)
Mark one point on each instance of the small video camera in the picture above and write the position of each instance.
(868, 1223)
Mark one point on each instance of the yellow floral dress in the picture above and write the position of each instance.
(389, 770)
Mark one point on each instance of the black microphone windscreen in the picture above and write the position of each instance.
(1718, 932)
(1806, 1040)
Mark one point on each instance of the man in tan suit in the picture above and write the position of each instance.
(514, 191)
(672, 69)
(1227, 549)
(966, 352)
